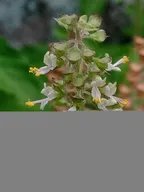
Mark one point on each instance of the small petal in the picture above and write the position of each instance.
(112, 68)
(49, 92)
(43, 104)
(50, 60)
(99, 35)
(99, 82)
(109, 90)
(94, 21)
(102, 107)
(96, 93)
(40, 101)
(45, 70)
(120, 109)
(83, 20)
(93, 67)
(72, 108)
(111, 102)
(121, 102)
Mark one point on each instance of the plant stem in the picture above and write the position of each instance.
(81, 66)
(71, 35)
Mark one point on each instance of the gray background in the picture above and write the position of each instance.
(72, 152)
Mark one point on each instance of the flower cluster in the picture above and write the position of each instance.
(82, 81)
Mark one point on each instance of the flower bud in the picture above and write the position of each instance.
(59, 62)
(87, 53)
(66, 20)
(83, 21)
(74, 54)
(101, 64)
(99, 35)
(60, 47)
(93, 68)
(95, 21)
(78, 81)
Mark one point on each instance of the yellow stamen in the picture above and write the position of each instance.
(37, 74)
(124, 102)
(34, 70)
(31, 70)
(97, 100)
(125, 59)
(29, 103)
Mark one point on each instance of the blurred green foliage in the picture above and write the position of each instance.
(89, 7)
(17, 85)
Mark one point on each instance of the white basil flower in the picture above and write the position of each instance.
(115, 66)
(121, 102)
(102, 105)
(110, 102)
(106, 103)
(98, 81)
(96, 94)
(47, 91)
(109, 90)
(50, 62)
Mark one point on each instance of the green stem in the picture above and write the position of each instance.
(81, 66)
(71, 35)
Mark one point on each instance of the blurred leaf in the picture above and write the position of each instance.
(59, 33)
(89, 7)
(17, 84)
